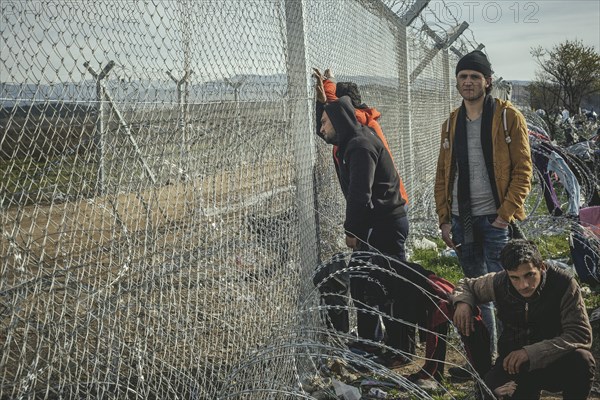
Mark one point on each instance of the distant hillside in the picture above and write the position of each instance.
(55, 109)
(251, 88)
(520, 96)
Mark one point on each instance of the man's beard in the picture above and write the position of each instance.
(333, 140)
(473, 95)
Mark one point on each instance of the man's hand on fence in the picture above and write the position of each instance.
(319, 88)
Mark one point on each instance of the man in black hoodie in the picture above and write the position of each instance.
(375, 213)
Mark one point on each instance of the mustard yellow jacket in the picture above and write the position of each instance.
(512, 163)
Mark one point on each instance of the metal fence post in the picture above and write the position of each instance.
(299, 122)
(99, 136)
(182, 99)
(447, 78)
(405, 108)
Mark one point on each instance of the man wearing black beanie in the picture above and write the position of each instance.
(476, 61)
(483, 174)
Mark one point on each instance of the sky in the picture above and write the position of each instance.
(54, 41)
(510, 28)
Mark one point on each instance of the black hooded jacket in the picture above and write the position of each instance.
(367, 174)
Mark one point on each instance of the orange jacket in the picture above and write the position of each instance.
(366, 116)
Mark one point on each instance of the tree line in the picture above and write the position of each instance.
(567, 74)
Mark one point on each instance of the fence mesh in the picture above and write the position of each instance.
(164, 199)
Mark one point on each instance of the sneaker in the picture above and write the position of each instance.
(460, 373)
(364, 347)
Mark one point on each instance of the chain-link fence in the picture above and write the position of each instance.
(164, 198)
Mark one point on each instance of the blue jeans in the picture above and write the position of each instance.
(480, 257)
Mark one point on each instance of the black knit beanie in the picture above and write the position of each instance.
(476, 61)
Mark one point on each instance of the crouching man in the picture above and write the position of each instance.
(546, 334)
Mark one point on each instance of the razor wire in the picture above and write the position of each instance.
(165, 201)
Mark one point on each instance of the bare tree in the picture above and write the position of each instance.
(569, 72)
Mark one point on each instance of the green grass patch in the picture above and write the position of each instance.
(443, 266)
(592, 301)
(554, 246)
(63, 174)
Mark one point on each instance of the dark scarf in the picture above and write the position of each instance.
(461, 156)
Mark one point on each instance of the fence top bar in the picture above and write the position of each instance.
(457, 32)
(414, 11)
(460, 55)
